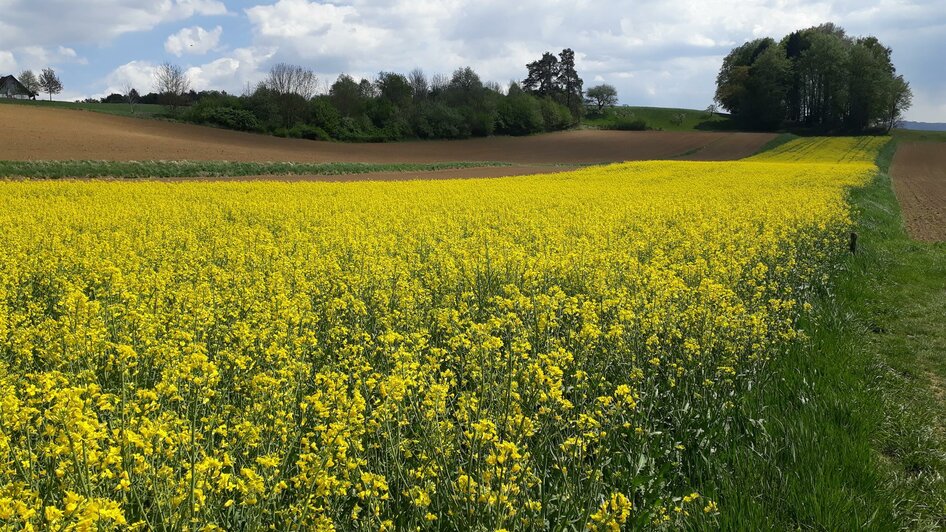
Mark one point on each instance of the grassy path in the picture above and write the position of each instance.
(901, 298)
(849, 433)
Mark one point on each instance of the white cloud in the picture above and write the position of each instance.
(7, 62)
(136, 74)
(195, 40)
(498, 37)
(39, 57)
(231, 73)
(656, 52)
(311, 30)
(100, 21)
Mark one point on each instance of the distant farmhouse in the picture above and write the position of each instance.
(10, 87)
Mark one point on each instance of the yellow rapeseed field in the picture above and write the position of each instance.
(825, 150)
(511, 353)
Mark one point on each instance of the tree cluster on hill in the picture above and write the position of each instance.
(555, 78)
(393, 106)
(818, 78)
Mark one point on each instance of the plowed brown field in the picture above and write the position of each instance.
(31, 133)
(919, 179)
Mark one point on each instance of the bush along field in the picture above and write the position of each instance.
(568, 350)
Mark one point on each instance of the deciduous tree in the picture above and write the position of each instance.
(30, 81)
(284, 78)
(420, 88)
(131, 96)
(171, 83)
(346, 96)
(601, 97)
(293, 86)
(49, 82)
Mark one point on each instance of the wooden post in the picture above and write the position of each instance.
(853, 242)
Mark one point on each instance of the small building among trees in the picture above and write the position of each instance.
(10, 87)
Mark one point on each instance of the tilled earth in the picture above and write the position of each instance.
(32, 133)
(919, 179)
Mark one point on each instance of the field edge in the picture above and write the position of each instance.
(843, 435)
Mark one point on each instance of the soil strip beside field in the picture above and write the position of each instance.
(453, 173)
(55, 134)
(919, 178)
(728, 148)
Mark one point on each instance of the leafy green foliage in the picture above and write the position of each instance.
(225, 112)
(601, 97)
(393, 107)
(520, 114)
(818, 78)
(556, 78)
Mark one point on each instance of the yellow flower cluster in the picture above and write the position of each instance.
(505, 353)
(825, 150)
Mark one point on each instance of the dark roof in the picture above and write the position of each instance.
(20, 86)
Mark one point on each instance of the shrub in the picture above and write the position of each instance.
(396, 128)
(628, 124)
(222, 111)
(440, 121)
(482, 123)
(359, 130)
(520, 114)
(324, 115)
(230, 118)
(262, 103)
(114, 98)
(306, 131)
(555, 115)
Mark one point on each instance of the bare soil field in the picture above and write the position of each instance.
(58, 134)
(919, 179)
(728, 147)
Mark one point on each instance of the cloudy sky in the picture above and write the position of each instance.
(656, 52)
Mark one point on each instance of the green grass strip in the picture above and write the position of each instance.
(189, 169)
(847, 432)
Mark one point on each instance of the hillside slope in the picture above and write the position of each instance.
(56, 134)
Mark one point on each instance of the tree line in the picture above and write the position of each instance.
(391, 106)
(396, 106)
(817, 78)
